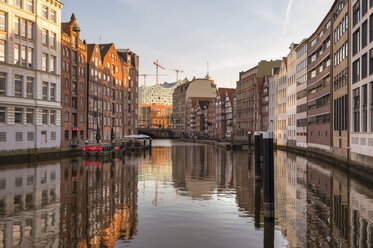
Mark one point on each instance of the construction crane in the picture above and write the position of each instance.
(177, 73)
(150, 75)
(157, 66)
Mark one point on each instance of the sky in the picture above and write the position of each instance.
(230, 35)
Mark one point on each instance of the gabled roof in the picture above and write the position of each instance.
(223, 92)
(104, 49)
(285, 59)
(195, 100)
(90, 50)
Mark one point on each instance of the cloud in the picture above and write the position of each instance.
(287, 18)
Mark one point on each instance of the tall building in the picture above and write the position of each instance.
(30, 81)
(159, 93)
(341, 77)
(361, 88)
(319, 50)
(130, 63)
(204, 87)
(301, 84)
(281, 135)
(73, 85)
(291, 94)
(248, 88)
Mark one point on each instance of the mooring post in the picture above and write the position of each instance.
(258, 201)
(257, 156)
(269, 234)
(268, 174)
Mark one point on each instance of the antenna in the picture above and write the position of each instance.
(208, 72)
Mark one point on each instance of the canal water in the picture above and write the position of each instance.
(181, 195)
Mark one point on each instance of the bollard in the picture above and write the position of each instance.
(269, 234)
(268, 174)
(258, 200)
(257, 156)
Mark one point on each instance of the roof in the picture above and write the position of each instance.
(90, 50)
(104, 49)
(195, 100)
(223, 92)
(203, 104)
(168, 85)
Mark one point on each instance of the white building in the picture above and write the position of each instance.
(282, 116)
(301, 77)
(30, 55)
(30, 206)
(291, 93)
(158, 94)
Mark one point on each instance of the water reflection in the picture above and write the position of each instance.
(182, 195)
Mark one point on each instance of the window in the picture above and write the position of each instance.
(356, 110)
(356, 42)
(18, 86)
(81, 118)
(364, 7)
(44, 116)
(371, 28)
(29, 116)
(18, 115)
(45, 12)
(2, 51)
(365, 104)
(53, 137)
(53, 92)
(52, 65)
(52, 117)
(356, 71)
(45, 90)
(356, 13)
(53, 16)
(45, 37)
(19, 137)
(52, 39)
(2, 83)
(66, 116)
(18, 3)
(2, 21)
(16, 25)
(23, 27)
(30, 87)
(364, 66)
(30, 6)
(30, 137)
(23, 55)
(364, 34)
(16, 54)
(44, 62)
(30, 30)
(2, 136)
(2, 115)
(30, 56)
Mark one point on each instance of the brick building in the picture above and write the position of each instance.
(190, 117)
(211, 119)
(73, 85)
(224, 114)
(155, 116)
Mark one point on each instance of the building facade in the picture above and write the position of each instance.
(291, 94)
(319, 86)
(195, 88)
(159, 93)
(361, 87)
(341, 77)
(73, 85)
(272, 103)
(224, 113)
(30, 75)
(282, 116)
(301, 102)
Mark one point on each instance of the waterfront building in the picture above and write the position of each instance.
(263, 103)
(73, 85)
(130, 62)
(30, 69)
(159, 93)
(201, 110)
(224, 113)
(155, 116)
(341, 77)
(196, 88)
(319, 85)
(291, 94)
(282, 103)
(361, 87)
(98, 98)
(211, 119)
(301, 88)
(191, 111)
(272, 103)
(248, 88)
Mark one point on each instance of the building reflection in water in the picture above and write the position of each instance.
(98, 202)
(30, 206)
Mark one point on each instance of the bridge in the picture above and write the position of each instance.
(164, 133)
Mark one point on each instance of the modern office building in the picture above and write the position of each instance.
(319, 85)
(361, 88)
(30, 75)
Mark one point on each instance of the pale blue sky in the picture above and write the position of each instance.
(232, 35)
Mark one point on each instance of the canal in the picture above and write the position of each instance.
(181, 195)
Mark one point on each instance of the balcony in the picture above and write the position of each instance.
(319, 58)
(320, 40)
(319, 76)
(317, 111)
(323, 91)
